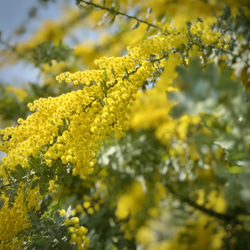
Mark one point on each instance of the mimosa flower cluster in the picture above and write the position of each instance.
(14, 218)
(77, 232)
(70, 128)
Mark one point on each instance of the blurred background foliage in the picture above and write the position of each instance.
(179, 179)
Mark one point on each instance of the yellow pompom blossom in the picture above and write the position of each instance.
(150, 236)
(87, 116)
(74, 18)
(127, 202)
(87, 52)
(130, 204)
(20, 93)
(184, 10)
(62, 212)
(215, 201)
(77, 232)
(14, 219)
(71, 127)
(53, 186)
(203, 30)
(51, 30)
(151, 110)
(49, 72)
(157, 44)
(88, 206)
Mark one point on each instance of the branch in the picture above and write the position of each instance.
(116, 12)
(210, 212)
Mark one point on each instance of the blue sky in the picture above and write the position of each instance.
(12, 14)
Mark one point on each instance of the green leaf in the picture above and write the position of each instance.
(202, 90)
(1, 203)
(67, 179)
(135, 26)
(112, 20)
(199, 20)
(188, 24)
(232, 196)
(149, 10)
(48, 51)
(226, 13)
(173, 96)
(177, 111)
(103, 18)
(235, 170)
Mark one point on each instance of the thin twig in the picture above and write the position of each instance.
(224, 217)
(116, 12)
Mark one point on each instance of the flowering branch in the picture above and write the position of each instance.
(116, 12)
(210, 212)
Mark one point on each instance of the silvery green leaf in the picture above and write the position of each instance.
(103, 18)
(135, 26)
(149, 10)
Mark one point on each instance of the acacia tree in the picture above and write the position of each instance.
(148, 148)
